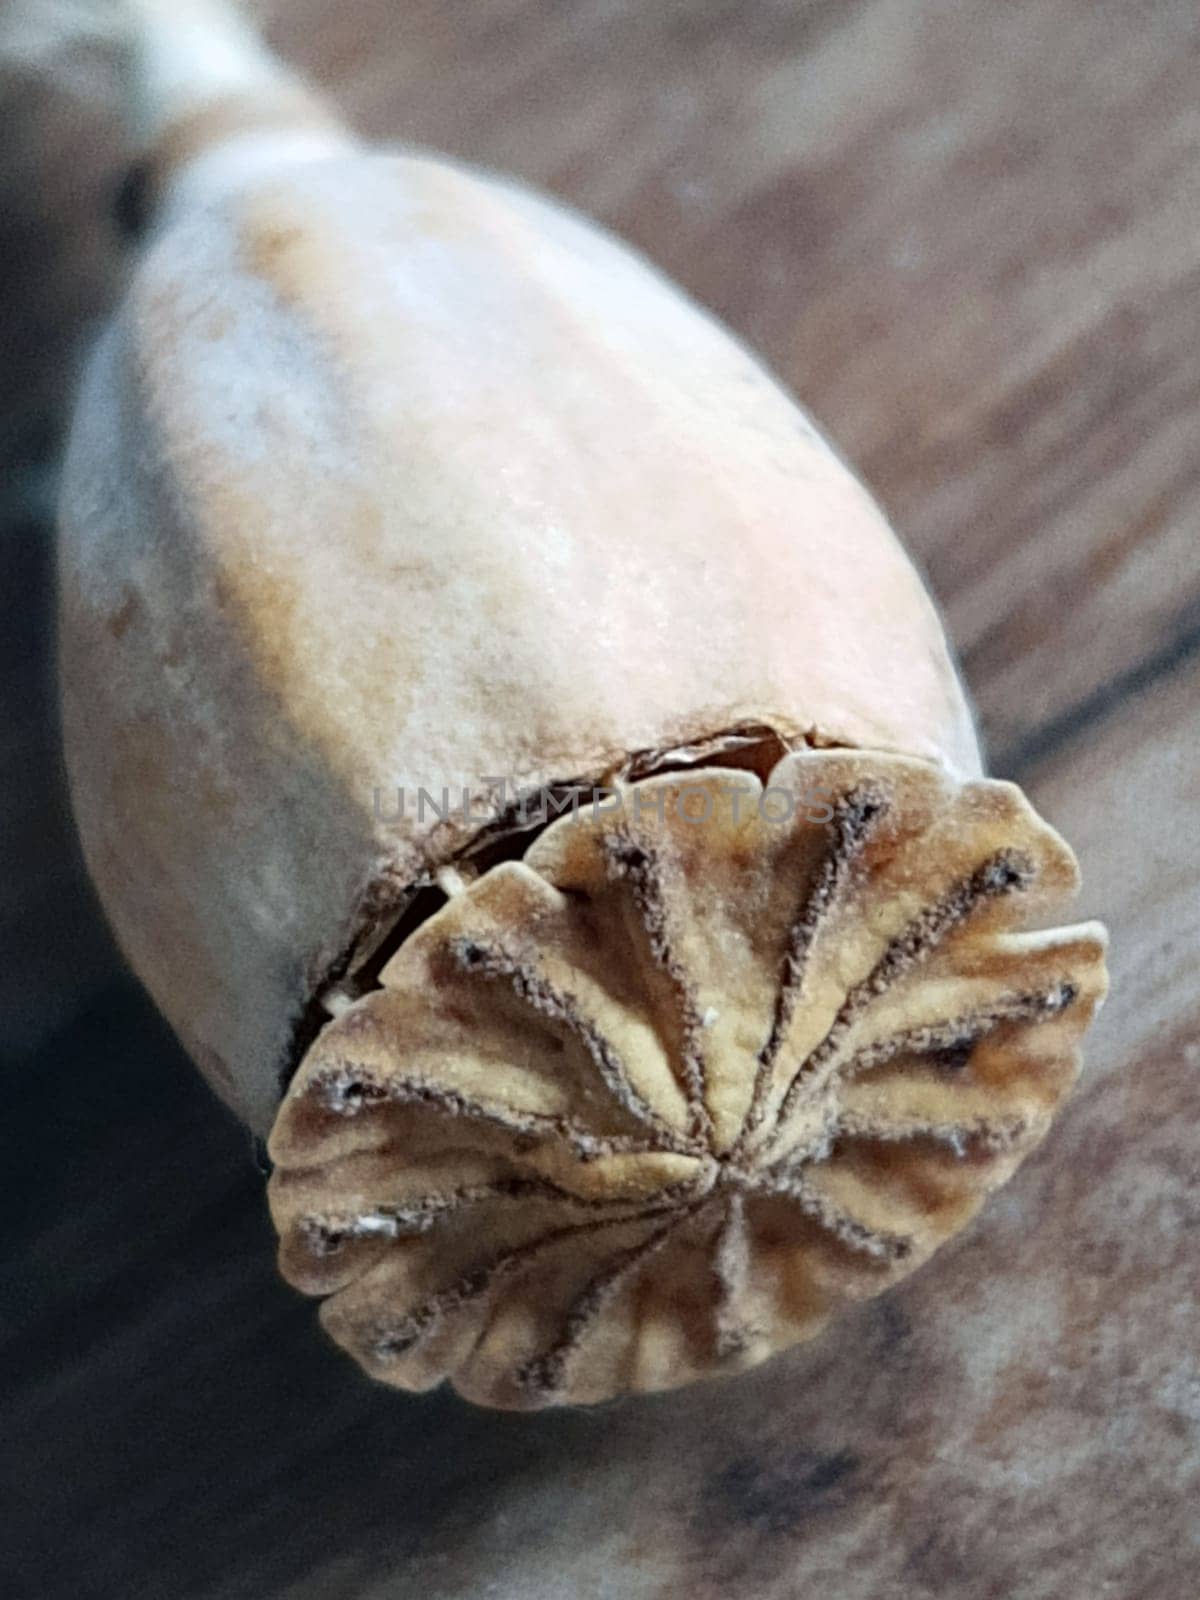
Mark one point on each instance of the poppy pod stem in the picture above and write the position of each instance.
(207, 103)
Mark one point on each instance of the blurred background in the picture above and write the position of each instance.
(968, 235)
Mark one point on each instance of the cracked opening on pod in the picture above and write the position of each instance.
(709, 1061)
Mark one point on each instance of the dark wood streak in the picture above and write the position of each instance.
(1021, 759)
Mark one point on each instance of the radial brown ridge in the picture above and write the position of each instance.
(654, 1101)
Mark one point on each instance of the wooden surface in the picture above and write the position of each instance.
(968, 234)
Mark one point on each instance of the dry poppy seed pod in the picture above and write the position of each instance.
(391, 481)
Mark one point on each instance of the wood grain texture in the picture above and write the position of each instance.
(967, 235)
